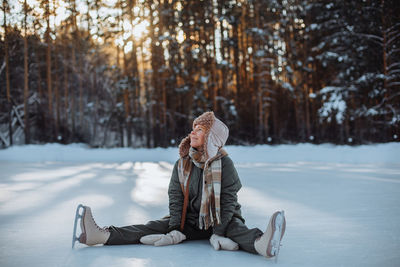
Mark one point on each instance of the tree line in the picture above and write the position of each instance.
(135, 73)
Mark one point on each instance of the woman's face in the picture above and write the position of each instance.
(197, 137)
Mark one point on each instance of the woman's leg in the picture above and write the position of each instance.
(194, 233)
(132, 234)
(245, 237)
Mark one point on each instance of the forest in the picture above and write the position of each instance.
(113, 73)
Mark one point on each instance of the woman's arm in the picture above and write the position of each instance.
(230, 185)
(176, 198)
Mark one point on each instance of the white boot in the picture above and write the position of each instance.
(268, 244)
(92, 234)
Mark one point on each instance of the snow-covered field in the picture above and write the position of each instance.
(342, 204)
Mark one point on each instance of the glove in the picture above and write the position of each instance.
(219, 242)
(172, 238)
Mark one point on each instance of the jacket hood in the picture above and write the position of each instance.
(215, 137)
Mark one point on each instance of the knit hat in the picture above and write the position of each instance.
(215, 137)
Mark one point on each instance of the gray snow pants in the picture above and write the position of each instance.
(236, 230)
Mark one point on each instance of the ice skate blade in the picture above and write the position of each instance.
(277, 254)
(279, 242)
(78, 216)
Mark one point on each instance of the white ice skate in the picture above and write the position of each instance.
(91, 233)
(268, 245)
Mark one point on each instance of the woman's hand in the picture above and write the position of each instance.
(172, 238)
(219, 242)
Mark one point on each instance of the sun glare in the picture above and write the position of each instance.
(180, 36)
(140, 29)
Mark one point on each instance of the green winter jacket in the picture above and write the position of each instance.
(230, 185)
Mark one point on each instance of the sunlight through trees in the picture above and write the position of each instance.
(135, 73)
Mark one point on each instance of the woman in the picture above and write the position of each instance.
(202, 202)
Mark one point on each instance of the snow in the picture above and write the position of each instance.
(204, 79)
(341, 204)
(313, 26)
(372, 112)
(257, 30)
(260, 53)
(288, 86)
(335, 103)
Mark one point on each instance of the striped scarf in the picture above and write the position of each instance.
(210, 208)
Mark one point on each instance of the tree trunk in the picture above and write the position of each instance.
(66, 84)
(224, 69)
(80, 80)
(72, 94)
(214, 72)
(39, 74)
(236, 63)
(127, 96)
(385, 63)
(10, 131)
(56, 81)
(57, 96)
(26, 81)
(307, 110)
(135, 71)
(5, 10)
(48, 59)
(75, 68)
